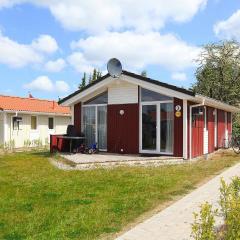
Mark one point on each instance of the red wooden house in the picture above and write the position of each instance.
(134, 114)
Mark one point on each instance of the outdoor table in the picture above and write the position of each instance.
(69, 138)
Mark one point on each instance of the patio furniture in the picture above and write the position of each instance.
(71, 139)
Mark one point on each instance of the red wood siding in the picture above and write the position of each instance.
(220, 128)
(229, 123)
(77, 117)
(210, 118)
(197, 135)
(123, 130)
(178, 130)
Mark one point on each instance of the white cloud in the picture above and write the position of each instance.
(229, 28)
(15, 54)
(180, 76)
(55, 66)
(135, 50)
(62, 86)
(45, 43)
(43, 83)
(18, 55)
(140, 15)
(79, 62)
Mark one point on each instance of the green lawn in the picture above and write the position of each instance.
(38, 201)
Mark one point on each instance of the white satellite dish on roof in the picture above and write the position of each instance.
(114, 67)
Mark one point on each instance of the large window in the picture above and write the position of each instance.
(148, 96)
(33, 122)
(99, 99)
(157, 122)
(149, 124)
(166, 125)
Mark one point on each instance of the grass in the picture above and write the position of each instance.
(38, 201)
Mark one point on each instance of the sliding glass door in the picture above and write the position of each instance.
(149, 127)
(166, 127)
(95, 125)
(102, 127)
(157, 121)
(89, 124)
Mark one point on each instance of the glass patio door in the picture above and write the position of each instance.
(95, 125)
(157, 121)
(149, 127)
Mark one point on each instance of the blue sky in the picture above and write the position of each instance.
(45, 46)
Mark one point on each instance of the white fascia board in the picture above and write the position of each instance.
(217, 104)
(38, 113)
(71, 101)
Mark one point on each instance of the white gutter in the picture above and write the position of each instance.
(217, 104)
(190, 130)
(39, 113)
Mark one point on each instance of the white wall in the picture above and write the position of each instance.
(121, 92)
(41, 133)
(1, 129)
(205, 141)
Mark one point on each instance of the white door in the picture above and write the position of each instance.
(156, 127)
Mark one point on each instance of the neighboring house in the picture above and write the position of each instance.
(25, 120)
(134, 114)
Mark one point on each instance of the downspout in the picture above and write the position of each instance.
(190, 130)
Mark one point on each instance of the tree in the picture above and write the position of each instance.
(144, 73)
(218, 72)
(89, 78)
(218, 75)
(99, 74)
(83, 83)
(94, 76)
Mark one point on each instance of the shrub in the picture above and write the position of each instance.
(230, 207)
(203, 226)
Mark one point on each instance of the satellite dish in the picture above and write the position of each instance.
(114, 67)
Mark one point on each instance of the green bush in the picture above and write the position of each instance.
(230, 207)
(203, 226)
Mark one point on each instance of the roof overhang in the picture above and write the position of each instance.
(77, 96)
(37, 113)
(216, 104)
(153, 85)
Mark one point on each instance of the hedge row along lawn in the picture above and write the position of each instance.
(38, 201)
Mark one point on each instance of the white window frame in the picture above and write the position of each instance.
(96, 120)
(215, 127)
(158, 127)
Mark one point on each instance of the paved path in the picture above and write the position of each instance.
(174, 222)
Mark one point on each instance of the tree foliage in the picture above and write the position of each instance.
(218, 72)
(83, 83)
(96, 74)
(144, 73)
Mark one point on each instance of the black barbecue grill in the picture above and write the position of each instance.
(75, 140)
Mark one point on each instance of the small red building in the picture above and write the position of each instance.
(134, 114)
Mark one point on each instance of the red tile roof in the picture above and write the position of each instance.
(31, 105)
